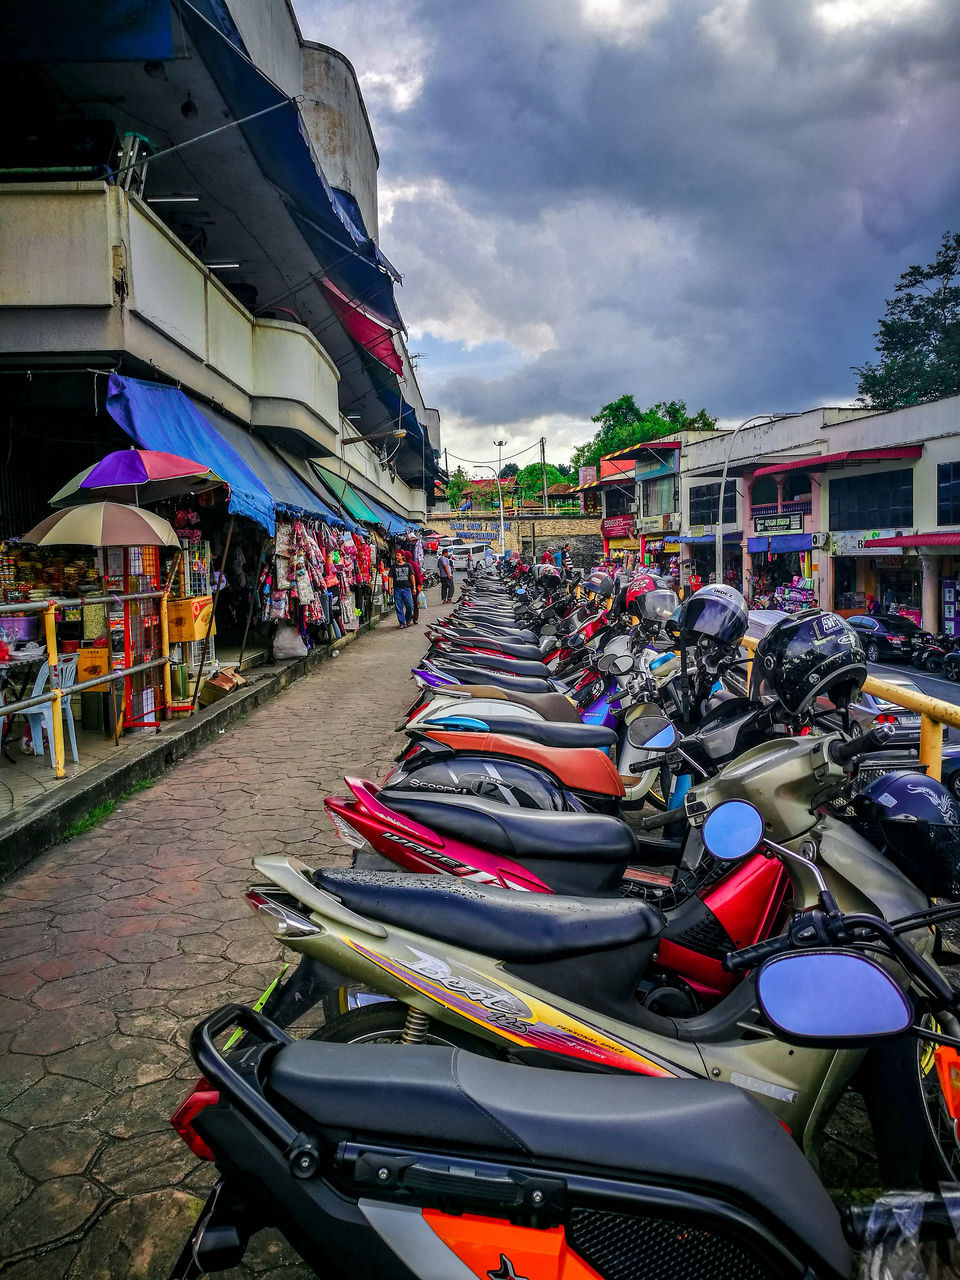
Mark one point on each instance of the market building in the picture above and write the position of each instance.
(835, 506)
(188, 196)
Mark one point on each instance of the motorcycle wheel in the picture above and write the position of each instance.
(383, 1023)
(932, 662)
(944, 1142)
(952, 670)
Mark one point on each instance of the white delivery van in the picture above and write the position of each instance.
(467, 553)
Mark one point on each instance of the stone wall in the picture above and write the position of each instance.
(531, 534)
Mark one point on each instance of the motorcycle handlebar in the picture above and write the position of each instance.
(878, 739)
(664, 819)
(750, 957)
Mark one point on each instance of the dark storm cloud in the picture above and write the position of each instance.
(706, 200)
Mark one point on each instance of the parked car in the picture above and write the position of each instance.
(886, 637)
(950, 768)
(468, 553)
(430, 539)
(449, 543)
(869, 711)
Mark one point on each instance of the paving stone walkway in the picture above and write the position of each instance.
(114, 944)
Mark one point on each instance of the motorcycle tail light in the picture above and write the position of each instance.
(948, 1073)
(203, 1095)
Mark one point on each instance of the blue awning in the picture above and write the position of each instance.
(160, 417)
(289, 492)
(279, 143)
(780, 542)
(705, 539)
(393, 524)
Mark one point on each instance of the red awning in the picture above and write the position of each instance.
(819, 462)
(919, 540)
(362, 328)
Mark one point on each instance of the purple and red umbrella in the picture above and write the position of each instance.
(137, 475)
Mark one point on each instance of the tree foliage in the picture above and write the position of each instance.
(530, 479)
(509, 469)
(919, 337)
(457, 486)
(623, 423)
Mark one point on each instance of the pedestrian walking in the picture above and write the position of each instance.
(558, 558)
(566, 561)
(488, 558)
(403, 581)
(445, 570)
(417, 585)
(547, 557)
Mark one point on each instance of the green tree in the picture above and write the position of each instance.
(457, 486)
(530, 479)
(509, 469)
(623, 423)
(919, 337)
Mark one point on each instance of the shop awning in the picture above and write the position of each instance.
(820, 462)
(161, 417)
(919, 540)
(703, 538)
(637, 450)
(345, 496)
(393, 524)
(310, 478)
(289, 493)
(377, 339)
(778, 543)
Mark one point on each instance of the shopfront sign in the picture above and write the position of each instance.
(791, 522)
(653, 524)
(857, 542)
(618, 526)
(479, 530)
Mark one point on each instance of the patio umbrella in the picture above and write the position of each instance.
(103, 524)
(137, 475)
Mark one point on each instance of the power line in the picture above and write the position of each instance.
(483, 462)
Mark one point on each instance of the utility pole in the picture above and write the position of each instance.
(543, 470)
(500, 444)
(446, 463)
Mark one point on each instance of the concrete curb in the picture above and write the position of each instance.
(45, 820)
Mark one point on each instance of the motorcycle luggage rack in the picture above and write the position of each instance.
(868, 770)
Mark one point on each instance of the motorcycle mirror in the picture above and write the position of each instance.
(622, 664)
(831, 997)
(732, 830)
(549, 630)
(652, 733)
(606, 662)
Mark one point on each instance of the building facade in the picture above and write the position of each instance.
(191, 201)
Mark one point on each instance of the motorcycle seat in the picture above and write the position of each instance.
(549, 733)
(510, 635)
(521, 833)
(495, 922)
(552, 706)
(459, 644)
(705, 1133)
(477, 675)
(500, 662)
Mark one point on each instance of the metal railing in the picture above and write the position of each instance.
(54, 695)
(934, 714)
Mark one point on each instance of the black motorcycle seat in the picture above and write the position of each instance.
(698, 1132)
(480, 675)
(503, 634)
(500, 662)
(528, 652)
(501, 923)
(520, 833)
(548, 733)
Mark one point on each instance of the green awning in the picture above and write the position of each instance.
(345, 495)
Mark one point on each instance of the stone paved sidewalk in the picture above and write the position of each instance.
(113, 945)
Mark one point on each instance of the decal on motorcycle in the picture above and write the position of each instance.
(535, 1025)
(505, 1270)
(493, 1249)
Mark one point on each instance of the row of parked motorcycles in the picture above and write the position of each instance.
(630, 918)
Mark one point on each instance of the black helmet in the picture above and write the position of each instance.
(915, 821)
(600, 584)
(550, 578)
(714, 613)
(807, 656)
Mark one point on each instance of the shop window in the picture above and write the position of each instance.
(882, 501)
(705, 500)
(763, 492)
(660, 496)
(796, 484)
(618, 500)
(948, 493)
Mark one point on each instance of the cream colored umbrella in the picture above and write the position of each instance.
(103, 524)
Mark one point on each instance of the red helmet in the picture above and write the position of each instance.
(638, 586)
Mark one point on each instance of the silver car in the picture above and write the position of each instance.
(869, 711)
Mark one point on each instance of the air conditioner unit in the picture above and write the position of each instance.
(819, 540)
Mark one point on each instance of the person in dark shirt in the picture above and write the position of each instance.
(403, 587)
(445, 570)
(566, 560)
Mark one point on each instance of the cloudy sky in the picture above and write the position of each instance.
(706, 200)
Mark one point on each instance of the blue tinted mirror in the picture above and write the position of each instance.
(838, 996)
(732, 830)
(651, 733)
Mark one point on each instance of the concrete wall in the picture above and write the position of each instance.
(531, 534)
(339, 129)
(272, 36)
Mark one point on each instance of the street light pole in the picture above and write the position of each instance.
(496, 473)
(503, 548)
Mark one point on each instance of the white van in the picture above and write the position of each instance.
(466, 554)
